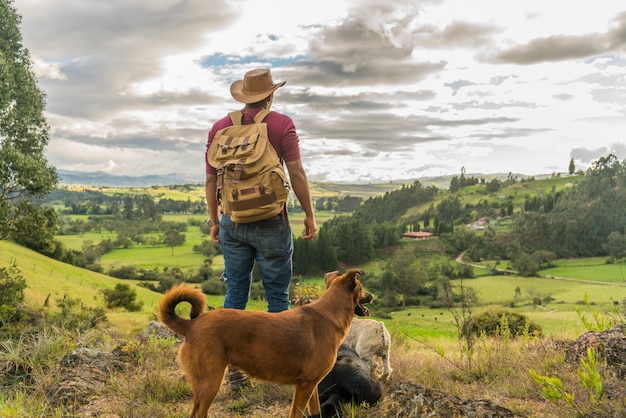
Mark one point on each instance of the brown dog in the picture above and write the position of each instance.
(294, 347)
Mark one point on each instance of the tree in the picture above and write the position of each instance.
(25, 174)
(35, 228)
(408, 277)
(122, 296)
(572, 167)
(493, 186)
(615, 245)
(12, 286)
(173, 239)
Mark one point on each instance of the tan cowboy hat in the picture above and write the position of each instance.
(255, 86)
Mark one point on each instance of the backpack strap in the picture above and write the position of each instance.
(237, 116)
(261, 115)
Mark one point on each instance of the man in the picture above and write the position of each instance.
(269, 242)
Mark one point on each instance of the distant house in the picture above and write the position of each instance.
(482, 223)
(417, 235)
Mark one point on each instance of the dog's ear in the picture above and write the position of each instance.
(353, 272)
(328, 277)
(351, 275)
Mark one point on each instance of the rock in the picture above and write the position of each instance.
(158, 330)
(609, 344)
(409, 400)
(83, 373)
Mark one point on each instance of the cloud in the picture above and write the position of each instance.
(566, 47)
(351, 54)
(586, 155)
(103, 49)
(589, 155)
(377, 89)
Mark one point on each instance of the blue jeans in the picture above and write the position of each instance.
(269, 243)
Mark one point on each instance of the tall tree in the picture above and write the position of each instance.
(409, 277)
(173, 239)
(25, 175)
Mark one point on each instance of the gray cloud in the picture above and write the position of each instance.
(489, 105)
(586, 155)
(563, 97)
(384, 132)
(565, 47)
(458, 34)
(458, 85)
(103, 48)
(507, 133)
(352, 54)
(126, 29)
(554, 48)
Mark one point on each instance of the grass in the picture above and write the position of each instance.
(50, 279)
(498, 370)
(161, 256)
(425, 348)
(47, 277)
(592, 269)
(196, 192)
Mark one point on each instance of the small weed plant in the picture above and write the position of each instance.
(589, 371)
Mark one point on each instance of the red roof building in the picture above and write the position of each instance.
(417, 235)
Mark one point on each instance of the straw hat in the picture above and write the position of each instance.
(255, 86)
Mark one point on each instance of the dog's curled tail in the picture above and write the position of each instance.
(174, 296)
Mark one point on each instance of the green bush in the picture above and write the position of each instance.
(12, 286)
(490, 322)
(214, 286)
(122, 296)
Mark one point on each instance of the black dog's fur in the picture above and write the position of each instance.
(350, 380)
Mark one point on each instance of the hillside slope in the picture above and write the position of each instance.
(46, 277)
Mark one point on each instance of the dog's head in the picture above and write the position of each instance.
(353, 284)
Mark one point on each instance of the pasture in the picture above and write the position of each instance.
(162, 256)
(50, 278)
(592, 269)
(557, 315)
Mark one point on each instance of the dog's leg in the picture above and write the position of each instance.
(385, 357)
(301, 395)
(203, 396)
(314, 403)
(205, 383)
(386, 368)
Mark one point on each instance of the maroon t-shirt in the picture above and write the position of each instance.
(280, 129)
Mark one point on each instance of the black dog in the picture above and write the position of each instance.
(350, 380)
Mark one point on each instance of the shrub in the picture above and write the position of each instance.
(12, 286)
(122, 297)
(304, 293)
(214, 286)
(489, 322)
(124, 272)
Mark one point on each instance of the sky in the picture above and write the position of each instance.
(379, 90)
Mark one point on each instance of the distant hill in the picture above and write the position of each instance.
(100, 178)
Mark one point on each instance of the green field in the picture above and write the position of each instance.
(195, 192)
(150, 257)
(592, 269)
(558, 318)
